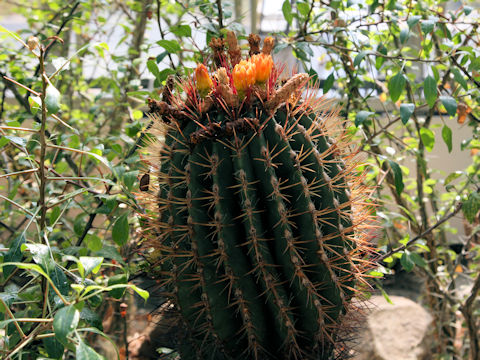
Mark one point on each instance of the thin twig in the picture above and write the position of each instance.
(8, 227)
(467, 312)
(162, 34)
(43, 144)
(18, 173)
(220, 14)
(5, 127)
(22, 86)
(16, 204)
(9, 312)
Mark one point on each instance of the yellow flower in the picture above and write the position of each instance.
(263, 65)
(244, 75)
(204, 82)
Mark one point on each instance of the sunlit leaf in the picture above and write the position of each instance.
(328, 83)
(406, 110)
(52, 99)
(428, 138)
(450, 104)
(397, 175)
(396, 85)
(471, 206)
(447, 137)
(120, 231)
(65, 321)
(407, 262)
(85, 352)
(170, 45)
(287, 11)
(362, 116)
(430, 90)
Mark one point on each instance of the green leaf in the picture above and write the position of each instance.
(91, 264)
(55, 213)
(413, 20)
(328, 83)
(17, 140)
(41, 256)
(459, 78)
(452, 176)
(102, 45)
(12, 34)
(450, 104)
(3, 141)
(358, 59)
(162, 76)
(467, 10)
(418, 260)
(121, 230)
(447, 137)
(182, 30)
(287, 11)
(380, 59)
(428, 138)
(161, 56)
(362, 116)
(170, 45)
(98, 332)
(60, 63)
(93, 242)
(90, 317)
(396, 85)
(115, 280)
(427, 26)
(129, 179)
(65, 322)
(474, 64)
(397, 176)
(143, 293)
(430, 90)
(303, 8)
(59, 279)
(406, 110)
(471, 206)
(407, 262)
(53, 347)
(153, 68)
(404, 34)
(14, 254)
(52, 99)
(378, 284)
(85, 352)
(35, 103)
(110, 252)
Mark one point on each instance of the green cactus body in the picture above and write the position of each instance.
(259, 247)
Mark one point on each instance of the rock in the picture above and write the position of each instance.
(394, 332)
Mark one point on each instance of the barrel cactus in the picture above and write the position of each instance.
(258, 213)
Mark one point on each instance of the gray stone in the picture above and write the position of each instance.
(394, 332)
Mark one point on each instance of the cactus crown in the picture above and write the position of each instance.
(258, 214)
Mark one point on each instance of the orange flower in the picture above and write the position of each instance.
(244, 74)
(204, 82)
(263, 64)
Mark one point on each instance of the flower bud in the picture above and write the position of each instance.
(263, 65)
(222, 76)
(204, 82)
(244, 74)
(32, 43)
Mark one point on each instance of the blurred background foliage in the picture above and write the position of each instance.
(406, 73)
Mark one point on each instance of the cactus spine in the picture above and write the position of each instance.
(259, 247)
